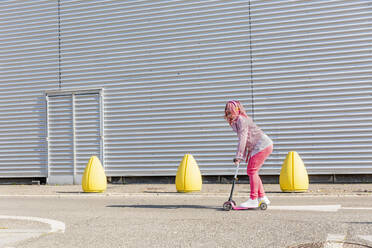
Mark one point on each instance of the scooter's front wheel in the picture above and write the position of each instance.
(227, 206)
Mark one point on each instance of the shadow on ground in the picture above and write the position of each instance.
(70, 192)
(167, 207)
(162, 192)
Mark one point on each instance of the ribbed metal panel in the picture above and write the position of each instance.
(312, 68)
(28, 65)
(87, 129)
(74, 134)
(61, 139)
(168, 68)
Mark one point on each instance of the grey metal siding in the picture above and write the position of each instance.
(87, 129)
(312, 82)
(167, 67)
(28, 65)
(172, 66)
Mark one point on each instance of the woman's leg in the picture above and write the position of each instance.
(253, 167)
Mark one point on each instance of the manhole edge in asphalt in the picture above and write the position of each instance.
(324, 244)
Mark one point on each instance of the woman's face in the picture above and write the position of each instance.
(228, 115)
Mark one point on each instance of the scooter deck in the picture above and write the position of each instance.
(241, 208)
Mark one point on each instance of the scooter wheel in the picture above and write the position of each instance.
(227, 206)
(263, 206)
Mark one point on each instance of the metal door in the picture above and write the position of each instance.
(75, 133)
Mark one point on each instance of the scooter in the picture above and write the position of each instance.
(231, 205)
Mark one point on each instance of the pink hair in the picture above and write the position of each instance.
(232, 111)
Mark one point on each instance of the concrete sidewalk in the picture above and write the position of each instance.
(207, 189)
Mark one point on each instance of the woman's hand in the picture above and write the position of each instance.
(236, 161)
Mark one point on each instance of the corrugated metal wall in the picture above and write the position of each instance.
(168, 67)
(312, 81)
(28, 65)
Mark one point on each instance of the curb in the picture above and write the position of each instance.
(175, 194)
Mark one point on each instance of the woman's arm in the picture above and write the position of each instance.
(242, 131)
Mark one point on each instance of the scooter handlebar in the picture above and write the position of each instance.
(237, 170)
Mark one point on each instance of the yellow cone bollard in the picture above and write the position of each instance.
(94, 178)
(293, 176)
(188, 178)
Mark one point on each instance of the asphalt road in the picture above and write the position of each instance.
(182, 220)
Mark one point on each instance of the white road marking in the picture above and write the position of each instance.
(23, 231)
(10, 236)
(56, 226)
(316, 208)
(357, 208)
(366, 237)
(334, 241)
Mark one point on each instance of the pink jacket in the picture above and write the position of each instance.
(251, 138)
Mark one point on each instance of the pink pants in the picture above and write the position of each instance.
(253, 167)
